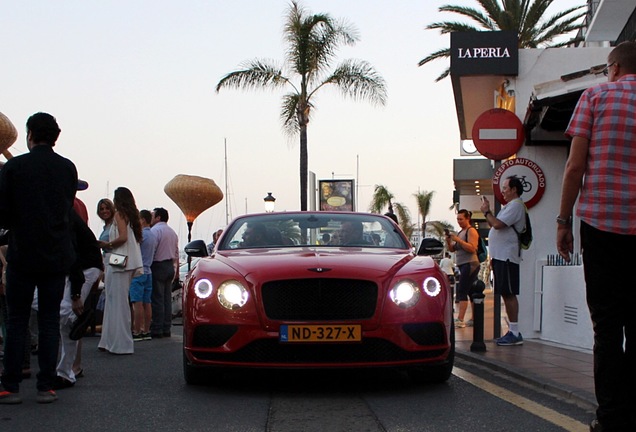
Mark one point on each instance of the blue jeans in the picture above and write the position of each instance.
(19, 295)
(611, 295)
(162, 277)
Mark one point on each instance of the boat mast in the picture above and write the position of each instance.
(227, 205)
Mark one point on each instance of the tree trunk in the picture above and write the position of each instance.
(303, 167)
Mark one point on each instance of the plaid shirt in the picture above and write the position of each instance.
(606, 116)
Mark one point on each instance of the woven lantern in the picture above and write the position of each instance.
(193, 195)
(8, 133)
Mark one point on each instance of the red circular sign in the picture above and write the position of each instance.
(528, 172)
(498, 134)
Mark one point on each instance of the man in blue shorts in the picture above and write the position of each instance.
(141, 286)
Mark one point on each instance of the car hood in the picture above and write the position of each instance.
(292, 263)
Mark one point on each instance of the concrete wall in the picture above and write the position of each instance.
(539, 66)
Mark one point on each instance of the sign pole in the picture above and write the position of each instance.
(497, 301)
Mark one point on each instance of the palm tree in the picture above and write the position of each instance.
(312, 42)
(526, 17)
(383, 197)
(424, 200)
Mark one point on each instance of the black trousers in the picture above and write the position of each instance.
(611, 298)
(19, 295)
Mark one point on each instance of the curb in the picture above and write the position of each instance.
(582, 398)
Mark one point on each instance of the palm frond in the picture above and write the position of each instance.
(437, 228)
(255, 74)
(313, 41)
(471, 13)
(288, 113)
(451, 26)
(358, 80)
(443, 53)
(404, 218)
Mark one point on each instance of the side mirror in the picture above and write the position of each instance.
(196, 248)
(430, 246)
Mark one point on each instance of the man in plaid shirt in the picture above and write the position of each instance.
(602, 166)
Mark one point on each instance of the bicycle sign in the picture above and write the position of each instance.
(530, 174)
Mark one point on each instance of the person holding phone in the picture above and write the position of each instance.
(505, 254)
(464, 244)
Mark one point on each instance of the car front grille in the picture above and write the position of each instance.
(319, 299)
(371, 350)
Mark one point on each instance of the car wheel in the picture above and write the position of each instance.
(438, 373)
(193, 375)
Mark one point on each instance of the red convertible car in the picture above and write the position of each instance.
(317, 290)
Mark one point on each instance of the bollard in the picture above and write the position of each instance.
(477, 296)
(478, 344)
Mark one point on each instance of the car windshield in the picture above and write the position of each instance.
(283, 230)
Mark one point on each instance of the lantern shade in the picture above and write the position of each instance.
(193, 194)
(8, 133)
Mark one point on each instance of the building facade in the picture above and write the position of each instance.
(541, 86)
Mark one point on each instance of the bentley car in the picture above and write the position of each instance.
(317, 290)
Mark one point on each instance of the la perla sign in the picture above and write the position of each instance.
(484, 52)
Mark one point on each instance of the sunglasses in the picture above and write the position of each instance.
(606, 70)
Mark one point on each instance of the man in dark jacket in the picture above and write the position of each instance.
(37, 190)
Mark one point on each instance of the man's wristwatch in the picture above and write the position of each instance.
(563, 221)
(76, 296)
(486, 213)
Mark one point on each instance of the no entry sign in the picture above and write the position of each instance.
(498, 134)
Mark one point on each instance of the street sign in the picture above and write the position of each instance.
(530, 174)
(498, 134)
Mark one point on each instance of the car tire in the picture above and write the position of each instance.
(193, 375)
(435, 374)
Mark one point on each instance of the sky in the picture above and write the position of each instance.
(132, 85)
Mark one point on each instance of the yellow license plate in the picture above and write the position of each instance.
(320, 333)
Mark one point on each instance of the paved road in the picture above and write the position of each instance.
(146, 392)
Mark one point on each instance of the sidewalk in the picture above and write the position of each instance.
(565, 371)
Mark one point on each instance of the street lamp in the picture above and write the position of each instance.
(269, 202)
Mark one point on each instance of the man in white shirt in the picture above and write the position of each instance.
(505, 251)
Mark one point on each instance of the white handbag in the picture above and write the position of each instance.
(117, 260)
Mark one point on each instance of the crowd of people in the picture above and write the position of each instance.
(52, 262)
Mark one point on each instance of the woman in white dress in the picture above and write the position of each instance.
(124, 238)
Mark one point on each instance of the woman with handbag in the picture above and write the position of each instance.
(465, 244)
(123, 263)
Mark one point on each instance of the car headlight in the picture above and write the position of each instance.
(203, 288)
(432, 286)
(405, 294)
(232, 295)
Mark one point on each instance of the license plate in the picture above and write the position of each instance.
(320, 333)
